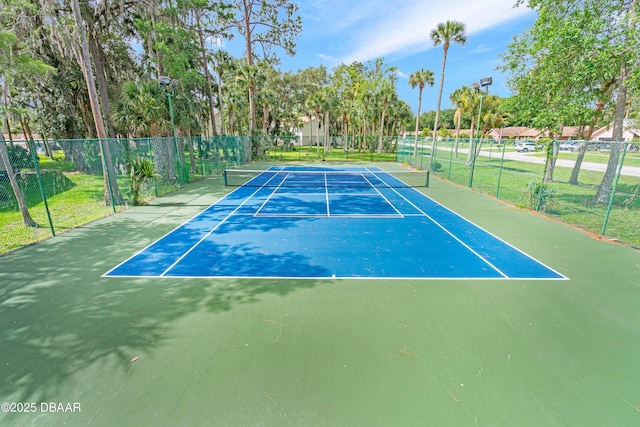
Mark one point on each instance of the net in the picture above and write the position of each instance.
(325, 178)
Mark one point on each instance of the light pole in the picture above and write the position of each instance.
(168, 86)
(485, 83)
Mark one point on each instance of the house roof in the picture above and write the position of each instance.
(512, 131)
(532, 133)
(630, 131)
(18, 136)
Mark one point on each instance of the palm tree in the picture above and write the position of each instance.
(420, 78)
(444, 34)
(386, 93)
(221, 63)
(112, 197)
(315, 103)
(140, 171)
(463, 99)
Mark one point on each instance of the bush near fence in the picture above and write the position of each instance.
(66, 187)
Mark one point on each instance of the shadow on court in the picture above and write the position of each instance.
(237, 352)
(60, 317)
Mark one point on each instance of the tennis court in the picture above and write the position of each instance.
(320, 222)
(316, 351)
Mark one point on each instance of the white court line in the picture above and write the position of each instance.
(272, 193)
(326, 194)
(214, 228)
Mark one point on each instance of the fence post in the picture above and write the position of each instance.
(105, 172)
(504, 146)
(472, 148)
(155, 181)
(34, 157)
(613, 190)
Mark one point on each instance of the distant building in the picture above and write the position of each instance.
(631, 132)
(309, 130)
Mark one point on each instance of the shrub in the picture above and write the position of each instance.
(140, 171)
(537, 195)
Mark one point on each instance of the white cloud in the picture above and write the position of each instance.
(325, 57)
(483, 48)
(406, 29)
(402, 74)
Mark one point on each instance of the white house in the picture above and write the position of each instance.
(631, 132)
(311, 128)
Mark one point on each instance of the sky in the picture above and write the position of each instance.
(344, 31)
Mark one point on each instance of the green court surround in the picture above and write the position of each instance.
(202, 352)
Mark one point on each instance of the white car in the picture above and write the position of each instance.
(575, 146)
(569, 146)
(525, 146)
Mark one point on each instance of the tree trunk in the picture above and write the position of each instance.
(326, 131)
(84, 60)
(207, 75)
(578, 164)
(22, 205)
(472, 131)
(435, 125)
(248, 46)
(192, 154)
(220, 105)
(457, 135)
(384, 112)
(101, 81)
(606, 185)
(552, 155)
(415, 142)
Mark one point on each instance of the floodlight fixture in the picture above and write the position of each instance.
(165, 81)
(487, 81)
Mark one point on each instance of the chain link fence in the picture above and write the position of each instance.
(592, 185)
(50, 186)
(329, 148)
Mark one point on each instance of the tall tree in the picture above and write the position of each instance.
(463, 98)
(565, 62)
(420, 78)
(267, 23)
(13, 62)
(209, 20)
(444, 34)
(111, 190)
(221, 63)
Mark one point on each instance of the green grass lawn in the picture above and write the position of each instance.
(570, 203)
(82, 203)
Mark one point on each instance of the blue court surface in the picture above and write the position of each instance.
(313, 222)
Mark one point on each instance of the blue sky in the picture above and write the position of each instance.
(343, 31)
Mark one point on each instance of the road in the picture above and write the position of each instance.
(532, 158)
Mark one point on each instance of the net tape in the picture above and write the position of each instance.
(325, 178)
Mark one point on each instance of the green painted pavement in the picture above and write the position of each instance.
(320, 353)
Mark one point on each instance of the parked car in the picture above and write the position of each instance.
(575, 146)
(569, 146)
(525, 146)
